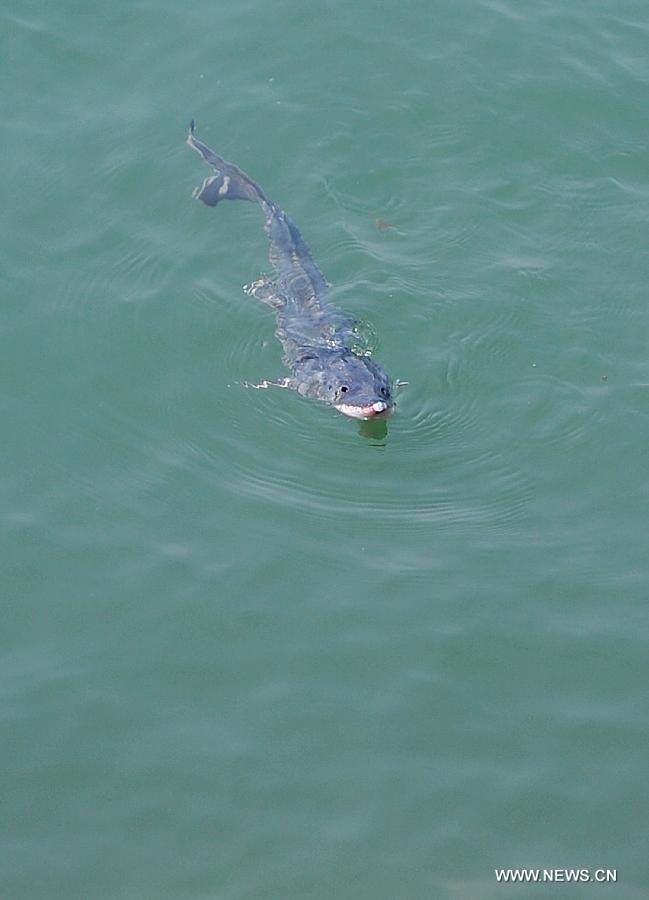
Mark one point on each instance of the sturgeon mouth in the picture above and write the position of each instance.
(379, 409)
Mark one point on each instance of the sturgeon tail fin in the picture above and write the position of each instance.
(230, 183)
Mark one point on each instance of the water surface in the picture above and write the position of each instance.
(249, 651)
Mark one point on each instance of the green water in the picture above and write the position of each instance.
(246, 650)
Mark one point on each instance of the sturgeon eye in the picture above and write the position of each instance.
(384, 392)
(343, 388)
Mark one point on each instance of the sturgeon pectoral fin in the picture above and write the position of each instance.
(282, 383)
(265, 289)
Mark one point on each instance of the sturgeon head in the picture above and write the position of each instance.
(356, 386)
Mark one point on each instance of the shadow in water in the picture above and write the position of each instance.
(374, 430)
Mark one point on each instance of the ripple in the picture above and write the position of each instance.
(559, 414)
(440, 461)
(434, 465)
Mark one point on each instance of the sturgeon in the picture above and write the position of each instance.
(317, 338)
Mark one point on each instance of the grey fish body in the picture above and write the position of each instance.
(316, 337)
